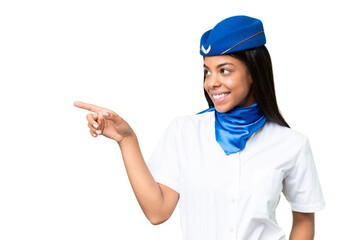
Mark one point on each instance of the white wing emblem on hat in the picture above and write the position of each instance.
(206, 51)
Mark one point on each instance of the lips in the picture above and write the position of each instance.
(219, 97)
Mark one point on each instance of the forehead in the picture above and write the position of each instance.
(214, 61)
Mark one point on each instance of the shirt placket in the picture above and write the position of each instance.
(234, 196)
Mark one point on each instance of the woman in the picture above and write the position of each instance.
(228, 164)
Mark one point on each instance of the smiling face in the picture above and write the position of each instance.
(227, 82)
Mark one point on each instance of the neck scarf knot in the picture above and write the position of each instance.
(233, 128)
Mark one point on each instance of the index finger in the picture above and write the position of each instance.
(88, 106)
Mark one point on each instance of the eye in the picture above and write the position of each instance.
(225, 71)
(206, 72)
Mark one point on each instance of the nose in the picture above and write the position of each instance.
(213, 81)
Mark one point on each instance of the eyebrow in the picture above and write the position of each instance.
(220, 65)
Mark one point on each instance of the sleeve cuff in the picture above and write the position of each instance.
(308, 208)
(167, 181)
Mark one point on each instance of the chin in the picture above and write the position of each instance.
(222, 108)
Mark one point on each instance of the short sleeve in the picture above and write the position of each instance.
(301, 186)
(164, 163)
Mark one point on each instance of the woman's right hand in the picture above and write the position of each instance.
(106, 122)
(156, 200)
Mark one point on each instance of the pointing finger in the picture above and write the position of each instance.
(88, 106)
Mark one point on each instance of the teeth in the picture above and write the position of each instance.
(220, 95)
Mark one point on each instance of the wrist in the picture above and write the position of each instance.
(129, 137)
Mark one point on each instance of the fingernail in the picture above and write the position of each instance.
(106, 114)
(95, 125)
(94, 135)
(98, 131)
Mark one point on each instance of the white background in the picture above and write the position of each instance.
(141, 59)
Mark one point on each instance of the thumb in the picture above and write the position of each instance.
(110, 116)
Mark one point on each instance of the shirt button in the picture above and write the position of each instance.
(233, 200)
(231, 229)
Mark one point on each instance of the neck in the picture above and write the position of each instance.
(247, 114)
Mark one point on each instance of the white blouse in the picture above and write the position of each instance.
(235, 196)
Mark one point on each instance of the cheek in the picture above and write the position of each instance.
(205, 85)
(206, 88)
(241, 82)
(240, 88)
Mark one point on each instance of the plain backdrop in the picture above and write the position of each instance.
(141, 59)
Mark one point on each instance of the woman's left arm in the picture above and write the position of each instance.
(303, 227)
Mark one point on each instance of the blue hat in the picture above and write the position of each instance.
(231, 35)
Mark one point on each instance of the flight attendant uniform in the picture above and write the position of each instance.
(233, 194)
